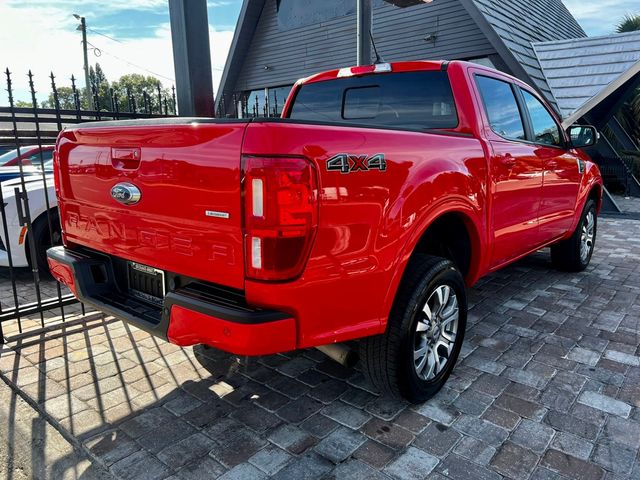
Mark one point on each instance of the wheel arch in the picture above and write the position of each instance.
(595, 194)
(459, 222)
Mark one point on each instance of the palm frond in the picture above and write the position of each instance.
(629, 23)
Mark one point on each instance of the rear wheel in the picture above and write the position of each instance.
(45, 239)
(416, 355)
(574, 254)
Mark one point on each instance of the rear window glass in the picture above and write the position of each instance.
(412, 100)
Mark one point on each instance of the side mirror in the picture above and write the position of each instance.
(583, 136)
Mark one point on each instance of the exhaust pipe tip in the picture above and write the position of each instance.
(340, 353)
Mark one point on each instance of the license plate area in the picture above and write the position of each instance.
(146, 283)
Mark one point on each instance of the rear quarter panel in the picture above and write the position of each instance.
(369, 221)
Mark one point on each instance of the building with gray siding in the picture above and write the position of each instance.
(279, 41)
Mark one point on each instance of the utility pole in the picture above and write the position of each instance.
(365, 23)
(83, 28)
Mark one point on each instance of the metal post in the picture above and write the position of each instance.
(365, 22)
(192, 57)
(83, 27)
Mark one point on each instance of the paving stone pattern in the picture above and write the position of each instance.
(548, 387)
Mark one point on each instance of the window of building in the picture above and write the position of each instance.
(545, 128)
(413, 100)
(501, 107)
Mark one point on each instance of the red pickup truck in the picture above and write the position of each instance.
(363, 213)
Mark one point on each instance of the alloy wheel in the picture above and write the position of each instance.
(587, 235)
(436, 332)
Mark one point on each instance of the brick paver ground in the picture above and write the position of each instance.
(548, 387)
(25, 293)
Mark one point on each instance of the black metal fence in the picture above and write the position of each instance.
(29, 220)
(245, 105)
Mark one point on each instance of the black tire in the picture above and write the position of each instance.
(43, 240)
(567, 255)
(388, 359)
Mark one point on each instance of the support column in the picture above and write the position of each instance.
(365, 23)
(192, 57)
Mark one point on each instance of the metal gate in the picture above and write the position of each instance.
(29, 221)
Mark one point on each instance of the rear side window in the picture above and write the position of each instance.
(412, 100)
(545, 128)
(501, 107)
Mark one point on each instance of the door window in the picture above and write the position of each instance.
(545, 128)
(501, 107)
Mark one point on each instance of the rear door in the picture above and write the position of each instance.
(561, 178)
(515, 171)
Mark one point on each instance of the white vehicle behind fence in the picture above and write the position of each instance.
(14, 240)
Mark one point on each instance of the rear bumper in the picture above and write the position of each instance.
(188, 316)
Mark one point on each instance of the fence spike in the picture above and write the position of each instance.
(54, 90)
(113, 104)
(76, 96)
(32, 89)
(96, 98)
(128, 92)
(159, 98)
(34, 102)
(9, 89)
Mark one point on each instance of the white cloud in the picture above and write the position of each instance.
(601, 17)
(43, 38)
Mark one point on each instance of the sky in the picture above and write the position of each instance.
(133, 36)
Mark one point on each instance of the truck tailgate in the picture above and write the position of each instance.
(188, 217)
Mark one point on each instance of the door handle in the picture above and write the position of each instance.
(551, 164)
(507, 160)
(125, 158)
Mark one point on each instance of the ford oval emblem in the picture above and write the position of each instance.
(126, 193)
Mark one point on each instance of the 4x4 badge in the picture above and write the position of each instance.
(347, 163)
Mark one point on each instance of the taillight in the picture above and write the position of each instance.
(280, 216)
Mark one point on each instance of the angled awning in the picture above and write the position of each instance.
(512, 26)
(584, 72)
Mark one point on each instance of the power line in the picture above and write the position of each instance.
(100, 51)
(104, 35)
(129, 63)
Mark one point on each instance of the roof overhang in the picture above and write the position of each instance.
(620, 82)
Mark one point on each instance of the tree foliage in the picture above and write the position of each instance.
(133, 84)
(137, 85)
(65, 98)
(99, 87)
(629, 23)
